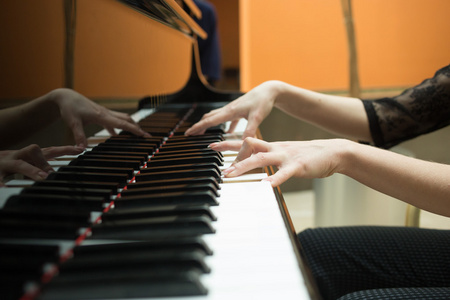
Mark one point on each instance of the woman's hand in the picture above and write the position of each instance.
(31, 161)
(254, 106)
(78, 111)
(309, 159)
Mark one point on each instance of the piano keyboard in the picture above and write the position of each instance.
(114, 224)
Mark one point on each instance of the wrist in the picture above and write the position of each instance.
(275, 90)
(346, 156)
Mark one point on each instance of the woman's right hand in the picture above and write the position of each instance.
(254, 106)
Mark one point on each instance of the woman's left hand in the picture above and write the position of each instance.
(305, 159)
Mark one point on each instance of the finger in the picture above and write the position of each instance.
(33, 155)
(259, 160)
(22, 167)
(279, 177)
(227, 145)
(249, 147)
(30, 162)
(123, 116)
(252, 126)
(124, 122)
(233, 125)
(52, 152)
(111, 130)
(202, 125)
(78, 133)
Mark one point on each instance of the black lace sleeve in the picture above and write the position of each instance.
(418, 110)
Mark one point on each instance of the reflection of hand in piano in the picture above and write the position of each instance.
(77, 111)
(31, 161)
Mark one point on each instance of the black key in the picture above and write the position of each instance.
(96, 155)
(177, 139)
(180, 142)
(174, 167)
(178, 198)
(120, 179)
(142, 155)
(123, 148)
(131, 285)
(38, 229)
(181, 153)
(163, 244)
(156, 142)
(126, 143)
(26, 255)
(171, 188)
(161, 131)
(111, 186)
(21, 263)
(178, 181)
(219, 129)
(194, 161)
(81, 217)
(178, 174)
(111, 261)
(106, 170)
(156, 227)
(159, 211)
(102, 162)
(72, 191)
(165, 148)
(52, 201)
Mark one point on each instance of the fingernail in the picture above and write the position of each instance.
(42, 175)
(145, 134)
(213, 145)
(228, 170)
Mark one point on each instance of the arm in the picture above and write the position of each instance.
(420, 183)
(75, 109)
(19, 122)
(342, 115)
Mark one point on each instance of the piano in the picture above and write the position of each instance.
(152, 218)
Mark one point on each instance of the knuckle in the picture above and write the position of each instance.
(260, 156)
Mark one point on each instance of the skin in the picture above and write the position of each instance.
(32, 161)
(75, 109)
(27, 119)
(421, 183)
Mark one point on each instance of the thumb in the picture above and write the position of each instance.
(279, 177)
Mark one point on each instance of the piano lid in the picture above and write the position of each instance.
(169, 13)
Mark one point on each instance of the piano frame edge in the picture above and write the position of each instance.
(302, 263)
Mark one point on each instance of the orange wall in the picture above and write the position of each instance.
(31, 51)
(303, 42)
(228, 27)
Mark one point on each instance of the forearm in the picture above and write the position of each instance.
(417, 182)
(17, 123)
(344, 116)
